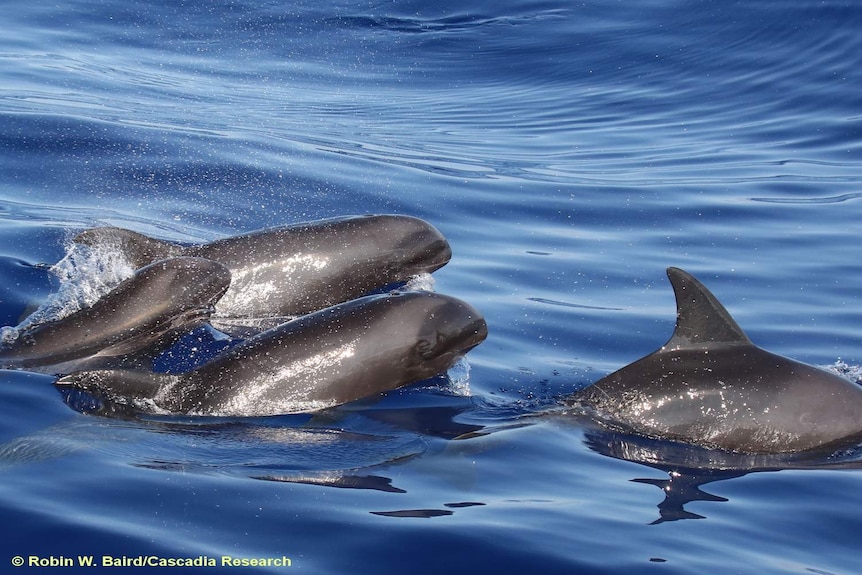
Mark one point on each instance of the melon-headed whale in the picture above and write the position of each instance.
(336, 355)
(143, 312)
(710, 385)
(301, 268)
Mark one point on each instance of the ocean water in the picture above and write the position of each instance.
(569, 151)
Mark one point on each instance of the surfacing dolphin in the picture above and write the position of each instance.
(709, 385)
(301, 268)
(143, 312)
(339, 354)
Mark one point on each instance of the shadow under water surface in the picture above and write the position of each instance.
(691, 467)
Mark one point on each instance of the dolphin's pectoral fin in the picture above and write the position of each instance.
(160, 336)
(700, 317)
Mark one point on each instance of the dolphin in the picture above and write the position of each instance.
(159, 301)
(301, 268)
(352, 350)
(709, 385)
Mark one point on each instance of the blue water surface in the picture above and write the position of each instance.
(569, 151)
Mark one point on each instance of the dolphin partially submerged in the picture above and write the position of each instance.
(336, 355)
(301, 268)
(710, 385)
(144, 312)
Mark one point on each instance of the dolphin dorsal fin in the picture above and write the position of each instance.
(700, 317)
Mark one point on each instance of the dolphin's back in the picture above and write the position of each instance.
(157, 301)
(301, 268)
(710, 385)
(139, 250)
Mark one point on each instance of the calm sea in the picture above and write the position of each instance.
(570, 151)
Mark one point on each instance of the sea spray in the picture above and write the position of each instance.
(85, 273)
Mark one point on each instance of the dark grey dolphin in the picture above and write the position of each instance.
(342, 353)
(157, 301)
(709, 385)
(301, 268)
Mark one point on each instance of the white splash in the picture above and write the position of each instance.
(459, 375)
(420, 282)
(8, 334)
(851, 372)
(86, 273)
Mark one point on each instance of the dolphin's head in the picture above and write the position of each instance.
(439, 329)
(414, 245)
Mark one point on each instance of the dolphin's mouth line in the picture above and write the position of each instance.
(601, 390)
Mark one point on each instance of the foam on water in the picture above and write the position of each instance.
(851, 372)
(86, 273)
(459, 376)
(420, 282)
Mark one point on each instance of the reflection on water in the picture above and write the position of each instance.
(343, 481)
(415, 513)
(690, 467)
(680, 489)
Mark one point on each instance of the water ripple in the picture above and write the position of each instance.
(574, 305)
(827, 200)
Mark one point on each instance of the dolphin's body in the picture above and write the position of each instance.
(141, 313)
(709, 385)
(301, 268)
(342, 353)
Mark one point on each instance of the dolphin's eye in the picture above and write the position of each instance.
(427, 345)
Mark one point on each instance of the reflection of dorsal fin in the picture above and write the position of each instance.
(700, 317)
(139, 249)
